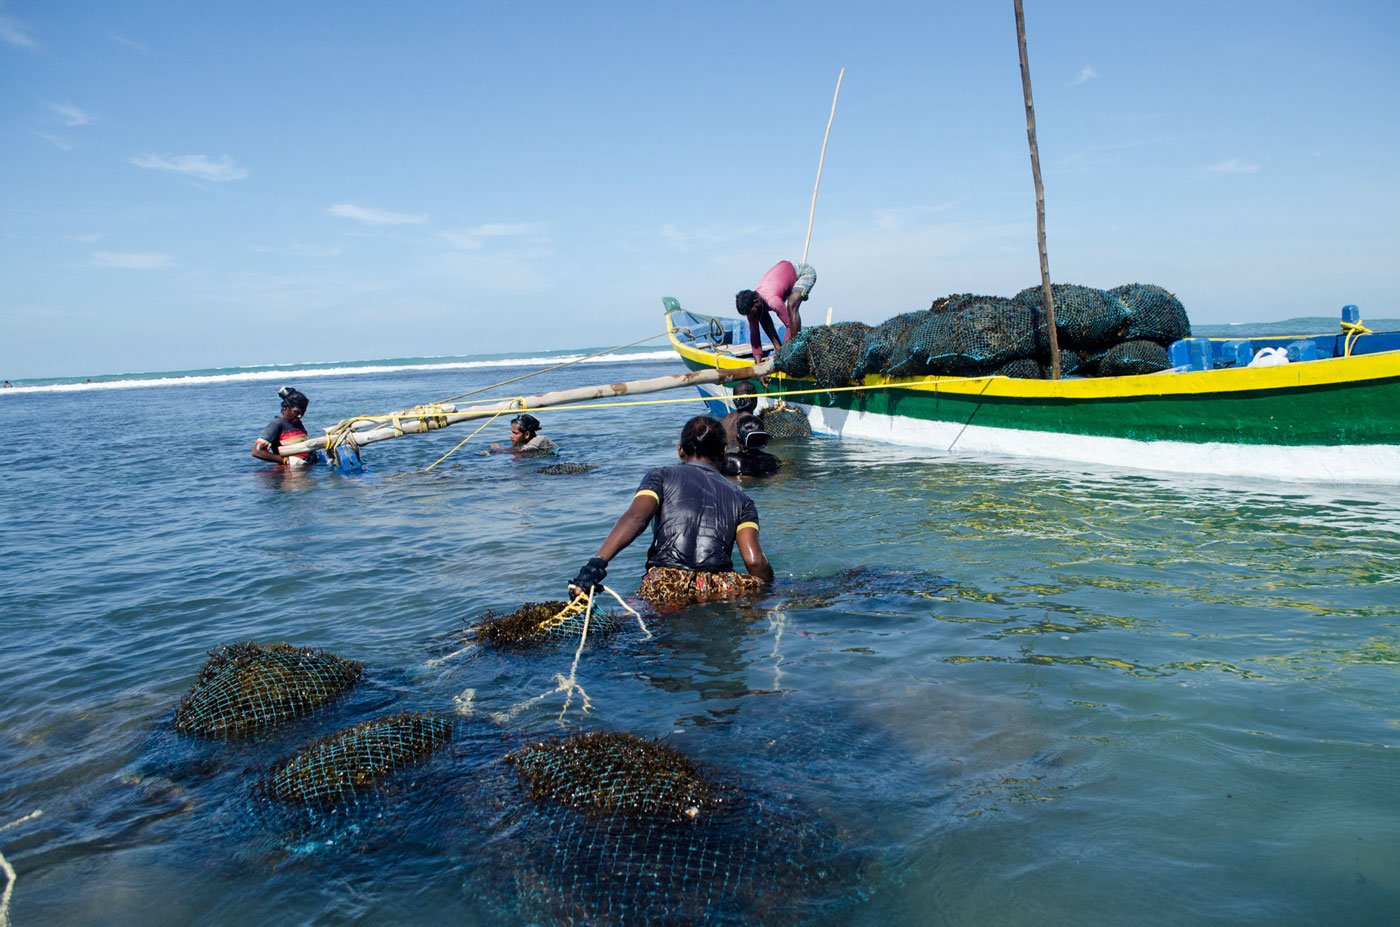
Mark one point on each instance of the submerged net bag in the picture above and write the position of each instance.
(244, 688)
(785, 423)
(602, 774)
(357, 759)
(536, 623)
(620, 830)
(1133, 357)
(1153, 314)
(567, 469)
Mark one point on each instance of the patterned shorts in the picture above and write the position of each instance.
(664, 586)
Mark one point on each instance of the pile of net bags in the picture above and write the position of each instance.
(1104, 333)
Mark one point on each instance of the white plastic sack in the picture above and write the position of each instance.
(1269, 357)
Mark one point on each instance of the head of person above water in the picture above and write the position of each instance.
(703, 438)
(745, 396)
(294, 402)
(523, 428)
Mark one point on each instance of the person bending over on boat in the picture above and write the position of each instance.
(782, 290)
(286, 428)
(525, 438)
(697, 517)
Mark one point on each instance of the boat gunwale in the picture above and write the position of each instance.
(1305, 376)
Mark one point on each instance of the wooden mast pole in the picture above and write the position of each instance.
(812, 213)
(1039, 194)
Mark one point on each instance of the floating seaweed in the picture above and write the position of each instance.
(357, 759)
(567, 469)
(244, 688)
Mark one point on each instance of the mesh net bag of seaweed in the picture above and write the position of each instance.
(535, 624)
(245, 688)
(624, 830)
(357, 759)
(785, 423)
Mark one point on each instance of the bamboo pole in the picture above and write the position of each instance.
(812, 213)
(378, 428)
(1039, 194)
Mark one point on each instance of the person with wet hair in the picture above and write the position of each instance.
(286, 428)
(697, 518)
(782, 291)
(525, 438)
(745, 437)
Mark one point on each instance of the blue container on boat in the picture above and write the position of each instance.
(1234, 353)
(1190, 354)
(1303, 350)
(1351, 315)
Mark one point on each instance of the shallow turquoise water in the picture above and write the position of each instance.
(1044, 695)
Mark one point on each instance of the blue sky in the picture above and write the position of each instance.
(189, 185)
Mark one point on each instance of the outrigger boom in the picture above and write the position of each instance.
(363, 430)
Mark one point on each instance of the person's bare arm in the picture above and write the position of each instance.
(263, 451)
(632, 523)
(752, 553)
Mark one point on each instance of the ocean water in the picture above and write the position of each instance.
(999, 691)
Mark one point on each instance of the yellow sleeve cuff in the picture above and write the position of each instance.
(647, 492)
(747, 524)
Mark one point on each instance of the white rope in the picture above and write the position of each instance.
(10, 877)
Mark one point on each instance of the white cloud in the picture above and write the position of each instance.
(374, 216)
(298, 249)
(89, 238)
(71, 115)
(12, 33)
(201, 166)
(474, 238)
(54, 140)
(132, 260)
(1087, 73)
(1233, 166)
(130, 43)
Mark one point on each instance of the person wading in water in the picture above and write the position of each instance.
(699, 517)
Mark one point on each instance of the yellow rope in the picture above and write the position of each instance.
(1354, 332)
(463, 441)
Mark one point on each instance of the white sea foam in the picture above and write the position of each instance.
(302, 372)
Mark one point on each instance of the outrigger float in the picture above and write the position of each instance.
(1332, 414)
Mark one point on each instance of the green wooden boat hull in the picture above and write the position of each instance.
(1327, 420)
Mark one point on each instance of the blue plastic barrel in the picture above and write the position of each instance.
(1234, 353)
(1303, 350)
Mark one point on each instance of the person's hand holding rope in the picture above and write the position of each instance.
(591, 574)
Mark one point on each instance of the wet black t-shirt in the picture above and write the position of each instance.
(698, 516)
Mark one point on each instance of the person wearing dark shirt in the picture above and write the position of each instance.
(745, 437)
(286, 428)
(697, 519)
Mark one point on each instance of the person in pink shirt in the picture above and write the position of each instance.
(781, 291)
